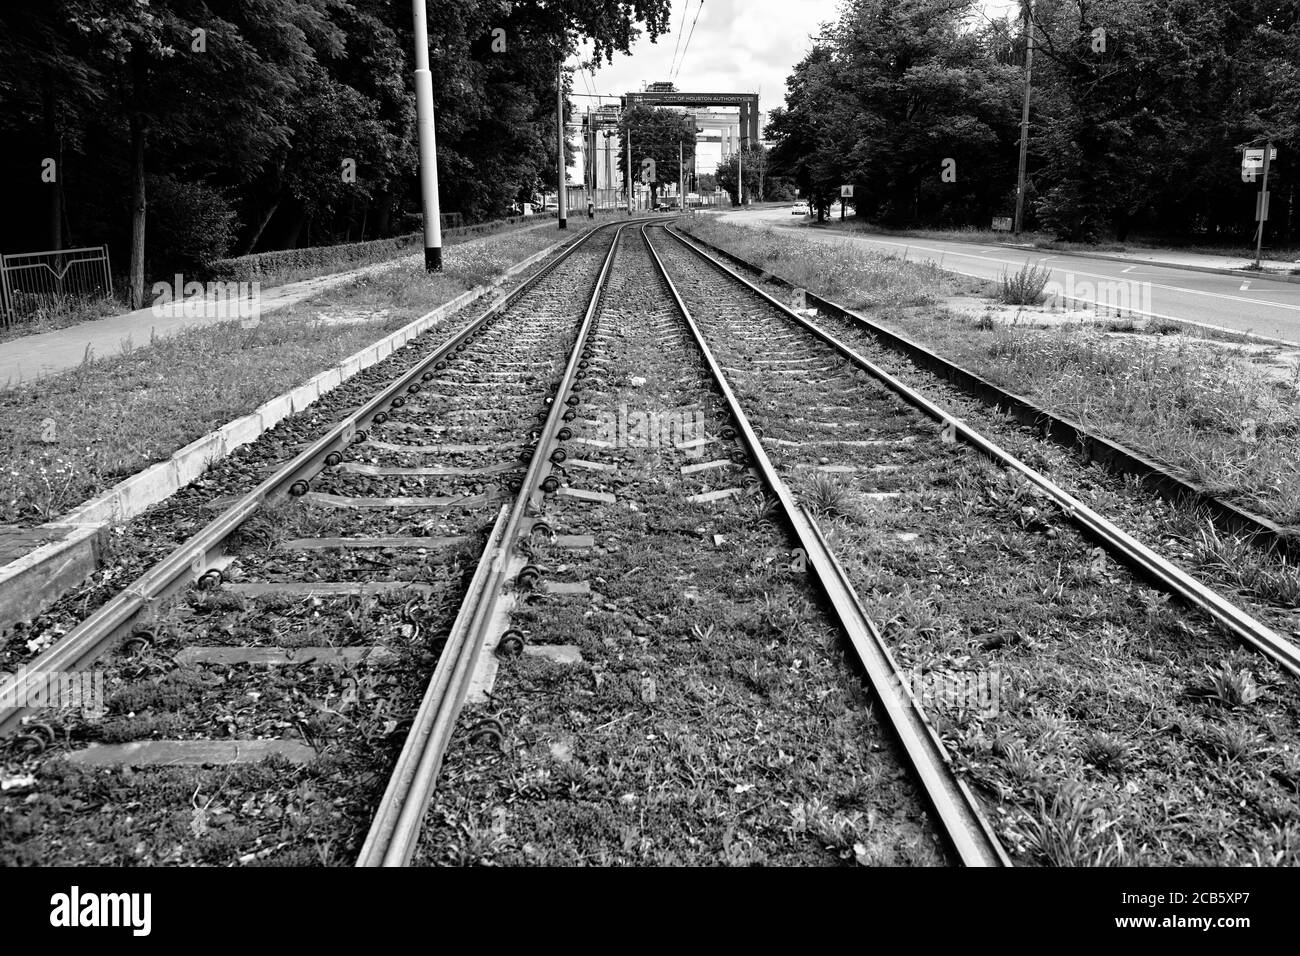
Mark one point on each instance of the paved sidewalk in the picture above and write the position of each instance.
(49, 353)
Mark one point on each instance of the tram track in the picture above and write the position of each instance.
(907, 503)
(596, 580)
(371, 531)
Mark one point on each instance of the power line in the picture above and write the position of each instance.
(688, 39)
(686, 5)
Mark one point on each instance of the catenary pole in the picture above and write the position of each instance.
(1024, 116)
(428, 142)
(681, 176)
(559, 133)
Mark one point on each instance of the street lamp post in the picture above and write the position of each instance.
(428, 143)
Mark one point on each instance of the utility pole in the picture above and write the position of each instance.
(559, 132)
(740, 176)
(1263, 203)
(681, 177)
(1024, 114)
(629, 170)
(428, 143)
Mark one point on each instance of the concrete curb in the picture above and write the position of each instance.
(31, 582)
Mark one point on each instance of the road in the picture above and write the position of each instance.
(1264, 307)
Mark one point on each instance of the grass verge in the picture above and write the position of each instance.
(68, 437)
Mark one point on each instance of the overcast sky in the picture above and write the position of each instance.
(738, 46)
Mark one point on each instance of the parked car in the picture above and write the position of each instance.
(800, 208)
(666, 204)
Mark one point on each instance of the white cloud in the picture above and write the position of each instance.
(738, 46)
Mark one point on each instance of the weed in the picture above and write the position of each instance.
(1025, 287)
(827, 496)
(1231, 684)
(1105, 752)
(1071, 830)
(1230, 742)
(1272, 578)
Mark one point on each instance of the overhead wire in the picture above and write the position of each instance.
(686, 6)
(688, 40)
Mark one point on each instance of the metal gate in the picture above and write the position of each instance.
(29, 280)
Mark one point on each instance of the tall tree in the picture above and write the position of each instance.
(659, 134)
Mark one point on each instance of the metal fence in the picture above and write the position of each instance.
(30, 280)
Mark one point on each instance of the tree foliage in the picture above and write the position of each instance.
(1137, 109)
(660, 134)
(257, 110)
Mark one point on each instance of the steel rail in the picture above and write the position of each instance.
(963, 822)
(395, 830)
(410, 785)
(85, 642)
(1114, 455)
(1132, 552)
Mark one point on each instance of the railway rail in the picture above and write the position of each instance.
(413, 476)
(477, 505)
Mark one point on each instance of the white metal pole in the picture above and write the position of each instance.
(559, 132)
(681, 177)
(629, 170)
(428, 142)
(1263, 204)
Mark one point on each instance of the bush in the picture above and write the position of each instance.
(189, 224)
(1025, 287)
(261, 265)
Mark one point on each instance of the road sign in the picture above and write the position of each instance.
(1002, 224)
(1254, 158)
(1247, 174)
(648, 170)
(846, 192)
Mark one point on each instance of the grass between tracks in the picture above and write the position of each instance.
(1117, 729)
(114, 416)
(713, 718)
(1225, 416)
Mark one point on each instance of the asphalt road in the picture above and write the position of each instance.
(1265, 307)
